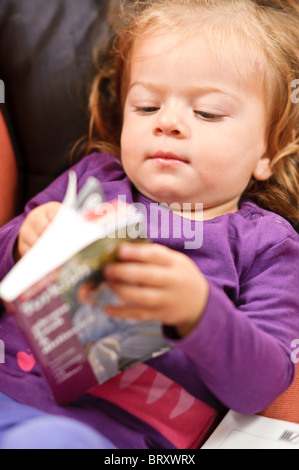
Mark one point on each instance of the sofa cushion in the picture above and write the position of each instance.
(46, 65)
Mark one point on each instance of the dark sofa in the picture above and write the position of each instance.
(46, 65)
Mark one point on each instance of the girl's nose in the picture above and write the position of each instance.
(169, 122)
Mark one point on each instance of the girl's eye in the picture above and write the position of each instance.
(146, 109)
(209, 116)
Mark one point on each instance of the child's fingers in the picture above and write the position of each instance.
(148, 297)
(22, 248)
(127, 312)
(51, 210)
(28, 235)
(146, 252)
(38, 224)
(27, 238)
(137, 273)
(34, 225)
(39, 219)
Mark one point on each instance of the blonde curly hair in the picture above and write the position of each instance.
(271, 26)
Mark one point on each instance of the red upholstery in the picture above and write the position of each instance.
(286, 407)
(8, 175)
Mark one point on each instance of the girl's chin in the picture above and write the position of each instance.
(165, 198)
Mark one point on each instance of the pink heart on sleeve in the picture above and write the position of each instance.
(26, 360)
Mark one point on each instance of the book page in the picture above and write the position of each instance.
(237, 431)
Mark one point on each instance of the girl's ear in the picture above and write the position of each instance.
(262, 170)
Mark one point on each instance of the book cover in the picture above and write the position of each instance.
(60, 308)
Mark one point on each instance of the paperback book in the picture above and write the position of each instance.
(57, 294)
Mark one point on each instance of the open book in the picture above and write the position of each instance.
(57, 294)
(237, 431)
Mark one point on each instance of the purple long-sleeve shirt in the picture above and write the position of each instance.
(238, 356)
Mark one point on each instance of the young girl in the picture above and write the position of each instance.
(195, 106)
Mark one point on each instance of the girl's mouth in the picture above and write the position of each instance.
(168, 159)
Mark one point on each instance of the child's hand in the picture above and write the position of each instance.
(157, 283)
(34, 225)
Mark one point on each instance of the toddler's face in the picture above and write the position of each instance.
(194, 128)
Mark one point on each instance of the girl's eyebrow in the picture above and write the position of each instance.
(208, 90)
(192, 91)
(148, 85)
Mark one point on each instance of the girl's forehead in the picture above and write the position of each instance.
(245, 62)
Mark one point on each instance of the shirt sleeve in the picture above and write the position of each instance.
(242, 351)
